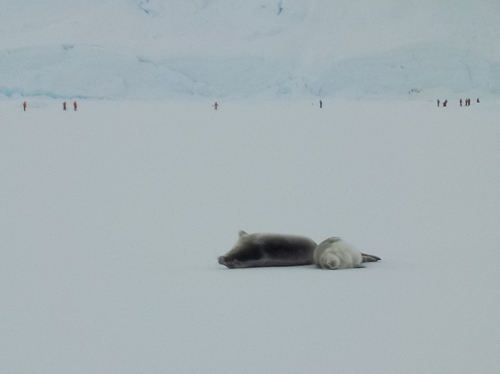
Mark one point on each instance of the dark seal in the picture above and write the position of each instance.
(259, 250)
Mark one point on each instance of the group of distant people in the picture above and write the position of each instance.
(467, 102)
(216, 105)
(75, 105)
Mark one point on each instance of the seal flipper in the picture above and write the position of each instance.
(370, 258)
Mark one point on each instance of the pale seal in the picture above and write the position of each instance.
(335, 253)
(258, 250)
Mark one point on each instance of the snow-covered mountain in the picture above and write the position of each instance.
(164, 48)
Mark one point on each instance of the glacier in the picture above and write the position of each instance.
(140, 49)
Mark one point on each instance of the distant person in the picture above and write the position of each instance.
(64, 105)
(438, 102)
(320, 104)
(460, 102)
(75, 106)
(216, 105)
(445, 102)
(24, 106)
(477, 101)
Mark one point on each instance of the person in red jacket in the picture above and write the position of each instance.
(24, 106)
(75, 105)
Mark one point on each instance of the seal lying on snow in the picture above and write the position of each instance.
(334, 253)
(258, 250)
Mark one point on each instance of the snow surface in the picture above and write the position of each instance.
(113, 218)
(148, 49)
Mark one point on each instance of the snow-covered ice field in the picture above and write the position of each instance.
(113, 218)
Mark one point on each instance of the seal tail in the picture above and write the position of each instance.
(370, 258)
